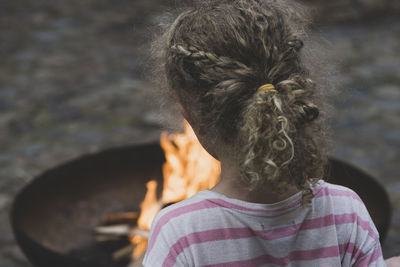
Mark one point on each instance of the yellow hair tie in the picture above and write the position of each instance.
(267, 87)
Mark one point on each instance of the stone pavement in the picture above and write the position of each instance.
(367, 111)
(71, 83)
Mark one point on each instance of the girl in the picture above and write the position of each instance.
(237, 71)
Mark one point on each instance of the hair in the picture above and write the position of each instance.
(213, 58)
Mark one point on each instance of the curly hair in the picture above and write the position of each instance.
(214, 57)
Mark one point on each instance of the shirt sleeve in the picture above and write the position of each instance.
(163, 254)
(368, 252)
(161, 250)
(157, 246)
(156, 257)
(373, 258)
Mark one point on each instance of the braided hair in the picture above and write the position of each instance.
(216, 54)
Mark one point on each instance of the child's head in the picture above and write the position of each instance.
(215, 57)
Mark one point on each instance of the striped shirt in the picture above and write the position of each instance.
(210, 229)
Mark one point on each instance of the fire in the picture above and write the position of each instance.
(149, 207)
(188, 169)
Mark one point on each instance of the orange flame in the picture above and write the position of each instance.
(187, 170)
(149, 207)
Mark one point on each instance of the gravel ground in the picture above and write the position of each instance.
(71, 83)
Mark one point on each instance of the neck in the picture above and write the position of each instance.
(231, 185)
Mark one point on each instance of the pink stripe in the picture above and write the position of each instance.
(174, 213)
(205, 204)
(226, 204)
(235, 233)
(205, 236)
(370, 258)
(337, 192)
(337, 220)
(352, 249)
(214, 203)
(356, 253)
(300, 255)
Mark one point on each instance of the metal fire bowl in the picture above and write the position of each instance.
(53, 217)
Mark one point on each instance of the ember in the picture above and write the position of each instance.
(188, 169)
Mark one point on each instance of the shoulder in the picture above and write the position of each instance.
(356, 230)
(174, 223)
(339, 197)
(183, 210)
(344, 203)
(345, 207)
(324, 188)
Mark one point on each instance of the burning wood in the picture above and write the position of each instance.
(188, 169)
(115, 230)
(136, 236)
(107, 238)
(121, 218)
(136, 231)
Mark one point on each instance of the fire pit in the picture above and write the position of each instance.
(54, 216)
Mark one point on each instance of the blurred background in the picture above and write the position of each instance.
(72, 82)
